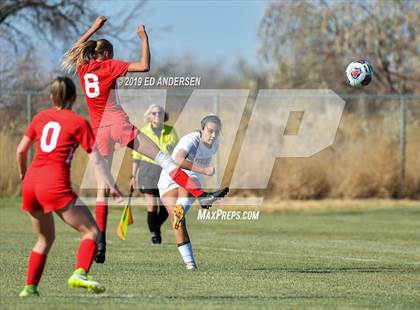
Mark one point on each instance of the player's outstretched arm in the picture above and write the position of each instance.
(22, 155)
(144, 64)
(103, 173)
(97, 24)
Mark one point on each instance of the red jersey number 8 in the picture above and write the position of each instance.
(91, 85)
(48, 147)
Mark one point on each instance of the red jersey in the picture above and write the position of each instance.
(97, 79)
(57, 134)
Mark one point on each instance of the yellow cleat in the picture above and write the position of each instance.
(29, 291)
(81, 280)
(178, 216)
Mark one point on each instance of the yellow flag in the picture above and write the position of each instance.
(126, 219)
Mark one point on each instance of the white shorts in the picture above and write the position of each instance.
(166, 183)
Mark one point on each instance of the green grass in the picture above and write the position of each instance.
(342, 259)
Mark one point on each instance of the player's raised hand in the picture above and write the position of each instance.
(99, 22)
(141, 32)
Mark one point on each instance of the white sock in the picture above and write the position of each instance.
(166, 162)
(186, 252)
(185, 203)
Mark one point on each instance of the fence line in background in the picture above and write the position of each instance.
(402, 108)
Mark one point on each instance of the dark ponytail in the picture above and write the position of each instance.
(211, 118)
(63, 92)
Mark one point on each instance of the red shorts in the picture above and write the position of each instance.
(45, 197)
(122, 132)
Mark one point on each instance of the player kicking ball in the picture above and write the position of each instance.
(46, 186)
(193, 154)
(98, 72)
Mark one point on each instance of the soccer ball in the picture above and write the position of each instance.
(359, 73)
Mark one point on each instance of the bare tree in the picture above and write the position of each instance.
(19, 18)
(27, 27)
(311, 42)
(54, 20)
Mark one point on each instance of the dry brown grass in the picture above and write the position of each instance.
(362, 163)
(9, 182)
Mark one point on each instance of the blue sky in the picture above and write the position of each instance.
(210, 31)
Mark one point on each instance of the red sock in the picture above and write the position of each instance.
(36, 264)
(101, 215)
(181, 178)
(85, 254)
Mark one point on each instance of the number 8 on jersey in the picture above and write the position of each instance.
(91, 85)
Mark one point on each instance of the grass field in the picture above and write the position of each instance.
(351, 258)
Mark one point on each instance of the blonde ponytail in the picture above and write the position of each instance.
(78, 55)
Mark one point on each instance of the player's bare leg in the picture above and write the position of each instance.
(143, 145)
(43, 225)
(182, 238)
(80, 218)
(101, 211)
(169, 200)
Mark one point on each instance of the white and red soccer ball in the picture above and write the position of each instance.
(359, 73)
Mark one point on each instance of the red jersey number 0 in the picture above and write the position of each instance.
(46, 146)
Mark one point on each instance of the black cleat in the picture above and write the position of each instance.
(208, 198)
(156, 238)
(100, 249)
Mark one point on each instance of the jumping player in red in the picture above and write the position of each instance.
(46, 184)
(98, 72)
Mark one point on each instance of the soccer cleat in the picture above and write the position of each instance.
(156, 238)
(191, 266)
(179, 216)
(80, 279)
(29, 291)
(101, 249)
(208, 198)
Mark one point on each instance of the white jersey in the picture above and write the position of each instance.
(197, 153)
